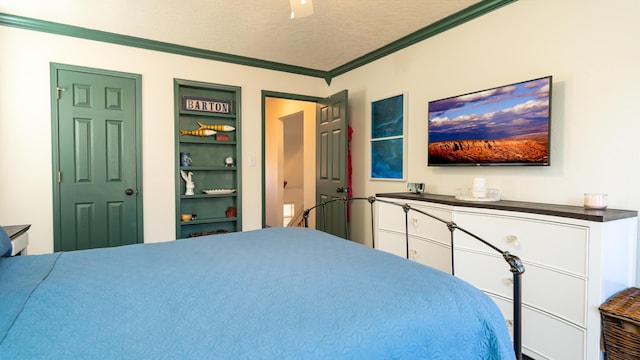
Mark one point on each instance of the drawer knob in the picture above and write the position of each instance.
(509, 323)
(414, 222)
(508, 281)
(512, 239)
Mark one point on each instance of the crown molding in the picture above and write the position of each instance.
(451, 21)
(467, 14)
(108, 37)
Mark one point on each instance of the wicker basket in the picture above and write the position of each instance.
(620, 316)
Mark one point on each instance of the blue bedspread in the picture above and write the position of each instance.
(280, 293)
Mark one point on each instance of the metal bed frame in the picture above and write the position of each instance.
(515, 264)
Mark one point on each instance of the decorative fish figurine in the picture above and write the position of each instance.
(217, 127)
(199, 132)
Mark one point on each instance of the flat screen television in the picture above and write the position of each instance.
(505, 125)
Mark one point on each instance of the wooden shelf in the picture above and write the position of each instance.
(208, 168)
(208, 221)
(207, 114)
(207, 196)
(204, 140)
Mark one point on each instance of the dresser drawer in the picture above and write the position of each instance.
(553, 244)
(426, 252)
(430, 253)
(544, 336)
(19, 244)
(548, 290)
(392, 217)
(392, 242)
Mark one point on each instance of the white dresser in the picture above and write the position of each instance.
(574, 260)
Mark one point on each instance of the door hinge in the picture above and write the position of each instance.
(59, 91)
(59, 177)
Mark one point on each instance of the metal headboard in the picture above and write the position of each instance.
(515, 264)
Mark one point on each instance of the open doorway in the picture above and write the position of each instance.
(324, 164)
(289, 180)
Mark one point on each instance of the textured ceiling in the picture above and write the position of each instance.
(338, 32)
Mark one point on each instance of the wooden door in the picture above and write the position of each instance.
(331, 162)
(98, 196)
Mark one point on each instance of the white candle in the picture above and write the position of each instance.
(479, 188)
(595, 201)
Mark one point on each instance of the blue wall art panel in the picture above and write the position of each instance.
(387, 160)
(387, 138)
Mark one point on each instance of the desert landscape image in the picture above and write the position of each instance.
(490, 151)
(504, 125)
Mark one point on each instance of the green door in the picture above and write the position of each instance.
(331, 162)
(97, 180)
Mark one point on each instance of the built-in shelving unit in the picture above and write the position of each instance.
(211, 105)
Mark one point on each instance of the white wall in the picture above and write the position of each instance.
(293, 167)
(590, 48)
(25, 124)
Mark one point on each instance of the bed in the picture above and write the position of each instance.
(276, 293)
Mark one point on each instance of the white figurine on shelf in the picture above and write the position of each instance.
(187, 178)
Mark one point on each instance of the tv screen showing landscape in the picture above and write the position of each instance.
(505, 125)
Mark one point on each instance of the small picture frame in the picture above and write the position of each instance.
(388, 140)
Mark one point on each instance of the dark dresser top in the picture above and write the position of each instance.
(567, 211)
